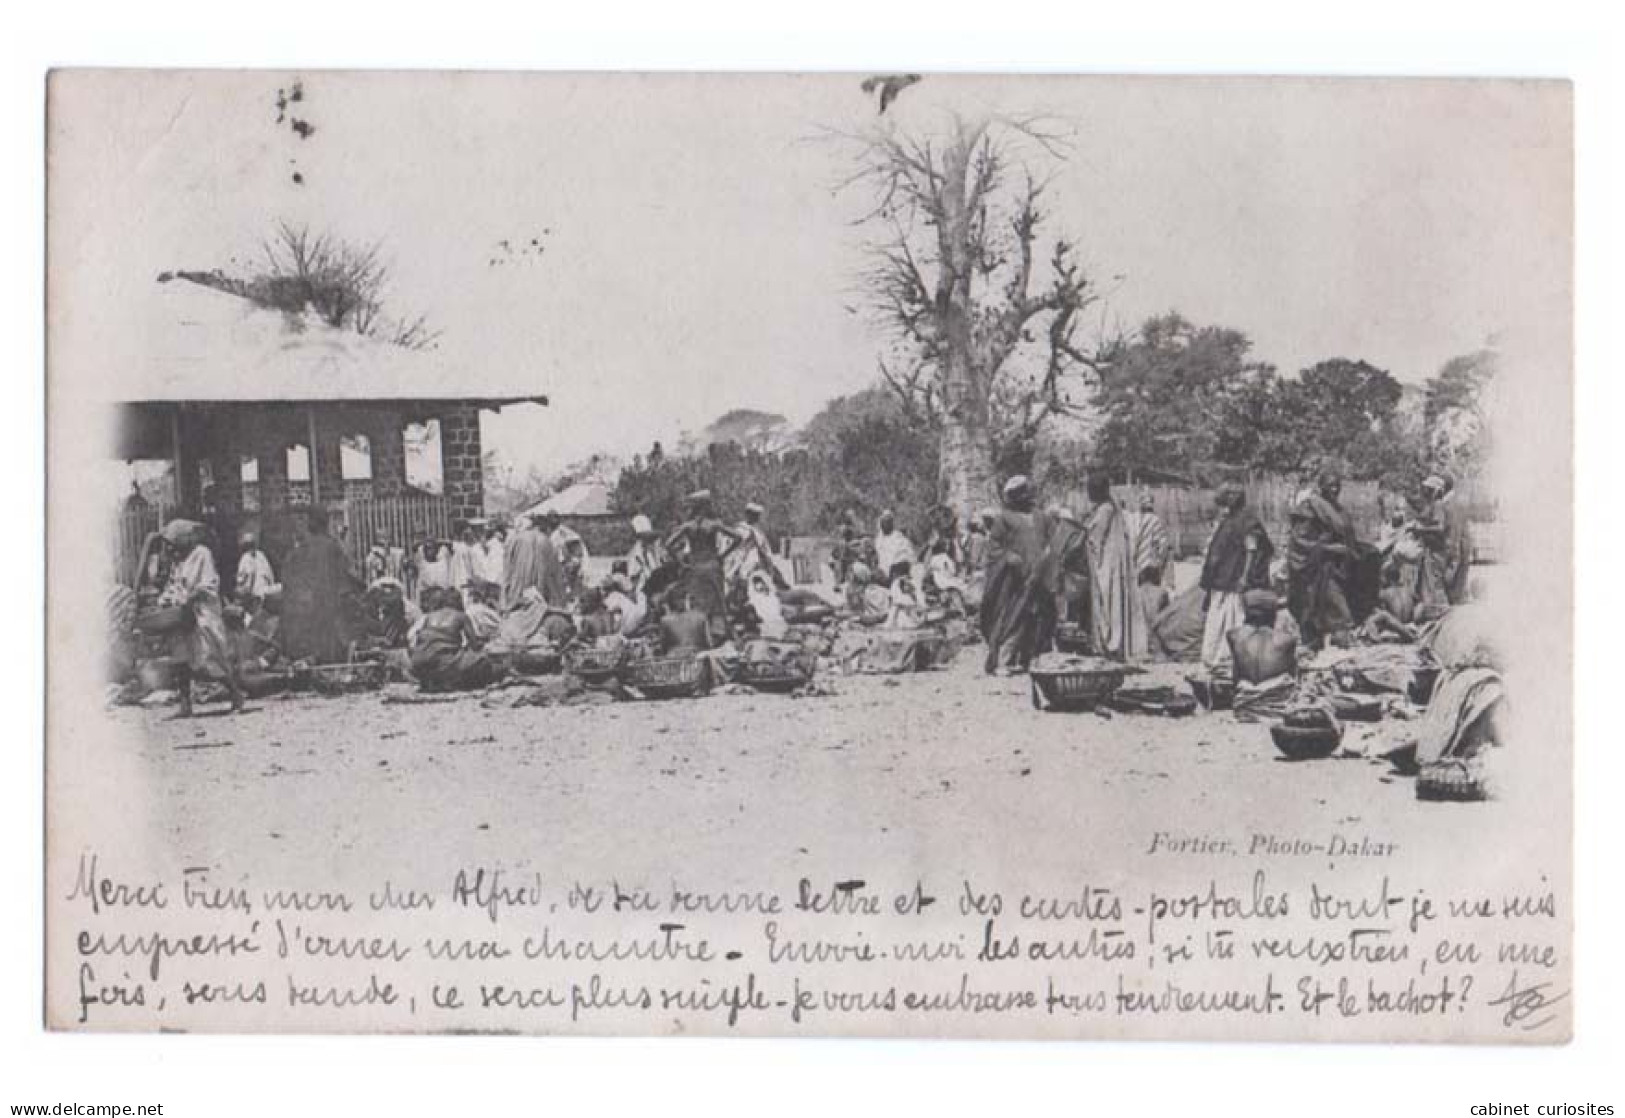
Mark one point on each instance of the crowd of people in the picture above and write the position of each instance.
(1026, 579)
(451, 614)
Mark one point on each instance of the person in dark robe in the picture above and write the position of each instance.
(1009, 612)
(1118, 624)
(704, 542)
(530, 562)
(315, 585)
(446, 651)
(1320, 562)
(1237, 560)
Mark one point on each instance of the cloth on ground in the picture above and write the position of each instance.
(1459, 721)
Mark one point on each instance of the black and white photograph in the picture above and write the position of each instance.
(894, 554)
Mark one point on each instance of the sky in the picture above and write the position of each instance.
(694, 253)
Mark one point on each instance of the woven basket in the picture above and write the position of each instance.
(674, 677)
(594, 665)
(1074, 690)
(1462, 781)
(164, 620)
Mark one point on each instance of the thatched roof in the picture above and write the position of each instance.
(198, 343)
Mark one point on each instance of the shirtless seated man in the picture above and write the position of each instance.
(685, 629)
(1259, 650)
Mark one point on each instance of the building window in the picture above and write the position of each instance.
(421, 450)
(248, 474)
(299, 487)
(355, 465)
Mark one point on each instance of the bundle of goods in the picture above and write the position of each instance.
(777, 665)
(1307, 734)
(1396, 669)
(1063, 682)
(1162, 700)
(535, 659)
(344, 679)
(1157, 689)
(1356, 708)
(671, 677)
(1213, 692)
(906, 650)
(1073, 638)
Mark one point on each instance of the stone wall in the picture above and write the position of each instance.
(460, 453)
(220, 434)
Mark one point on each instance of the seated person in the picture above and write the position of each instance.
(255, 646)
(446, 653)
(685, 629)
(480, 601)
(804, 606)
(1259, 651)
(596, 619)
(389, 614)
(625, 601)
(906, 609)
(768, 611)
(866, 603)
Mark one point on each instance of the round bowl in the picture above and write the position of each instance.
(1296, 744)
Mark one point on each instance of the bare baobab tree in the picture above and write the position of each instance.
(952, 280)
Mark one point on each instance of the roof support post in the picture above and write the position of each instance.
(315, 458)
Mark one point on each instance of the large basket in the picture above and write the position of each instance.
(1074, 689)
(673, 677)
(165, 620)
(594, 665)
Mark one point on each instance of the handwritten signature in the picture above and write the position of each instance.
(1522, 1003)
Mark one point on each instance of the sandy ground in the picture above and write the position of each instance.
(950, 769)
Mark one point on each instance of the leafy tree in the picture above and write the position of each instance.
(861, 452)
(1454, 410)
(1170, 398)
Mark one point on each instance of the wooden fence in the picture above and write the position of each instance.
(402, 521)
(133, 526)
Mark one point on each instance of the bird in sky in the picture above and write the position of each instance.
(889, 85)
